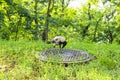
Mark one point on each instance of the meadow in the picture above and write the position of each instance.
(18, 62)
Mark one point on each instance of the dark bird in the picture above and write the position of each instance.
(58, 41)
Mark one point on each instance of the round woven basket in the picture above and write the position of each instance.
(64, 55)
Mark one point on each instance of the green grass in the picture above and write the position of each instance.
(20, 62)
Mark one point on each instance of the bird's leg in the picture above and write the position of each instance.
(64, 44)
(54, 45)
(59, 45)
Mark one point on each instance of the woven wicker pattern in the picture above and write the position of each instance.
(64, 55)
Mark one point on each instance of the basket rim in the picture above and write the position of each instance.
(44, 58)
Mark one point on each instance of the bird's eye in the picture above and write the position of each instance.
(56, 39)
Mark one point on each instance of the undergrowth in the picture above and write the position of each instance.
(18, 62)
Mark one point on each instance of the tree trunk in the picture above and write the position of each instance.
(87, 27)
(96, 27)
(36, 20)
(110, 35)
(63, 4)
(45, 32)
(110, 32)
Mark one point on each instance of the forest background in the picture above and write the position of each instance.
(44, 19)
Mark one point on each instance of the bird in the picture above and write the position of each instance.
(58, 41)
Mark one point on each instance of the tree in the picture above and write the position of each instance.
(45, 32)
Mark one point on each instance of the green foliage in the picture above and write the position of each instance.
(27, 20)
(9, 2)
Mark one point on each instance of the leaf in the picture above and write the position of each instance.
(9, 2)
